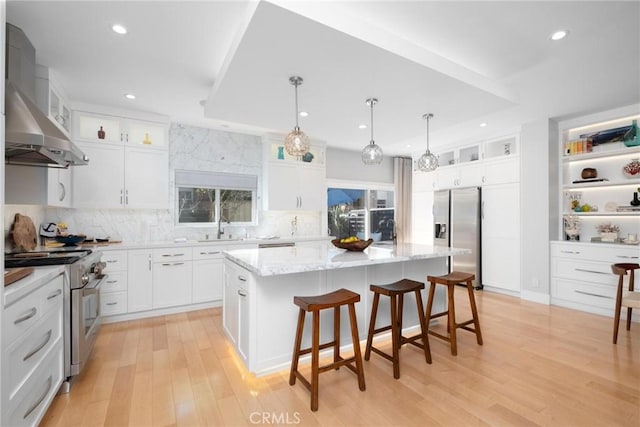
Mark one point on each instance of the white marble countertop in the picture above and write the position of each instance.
(40, 276)
(191, 243)
(325, 256)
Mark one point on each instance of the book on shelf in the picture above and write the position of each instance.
(628, 209)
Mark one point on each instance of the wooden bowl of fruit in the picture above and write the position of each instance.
(352, 243)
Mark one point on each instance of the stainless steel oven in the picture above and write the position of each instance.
(85, 321)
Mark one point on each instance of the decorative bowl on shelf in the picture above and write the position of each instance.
(71, 239)
(357, 246)
(632, 169)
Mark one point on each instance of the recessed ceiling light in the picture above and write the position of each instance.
(483, 124)
(362, 127)
(129, 96)
(559, 35)
(303, 114)
(117, 28)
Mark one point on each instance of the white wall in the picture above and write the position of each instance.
(538, 186)
(347, 165)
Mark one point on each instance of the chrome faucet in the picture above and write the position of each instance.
(220, 231)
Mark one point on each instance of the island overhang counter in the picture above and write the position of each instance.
(259, 316)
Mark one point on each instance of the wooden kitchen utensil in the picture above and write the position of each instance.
(23, 233)
(12, 275)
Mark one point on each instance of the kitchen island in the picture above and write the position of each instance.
(259, 316)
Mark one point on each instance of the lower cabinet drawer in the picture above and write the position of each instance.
(588, 271)
(602, 296)
(29, 351)
(116, 281)
(30, 402)
(19, 317)
(112, 303)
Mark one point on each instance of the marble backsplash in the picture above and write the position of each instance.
(190, 148)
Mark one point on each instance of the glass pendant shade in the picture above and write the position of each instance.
(372, 153)
(428, 161)
(296, 142)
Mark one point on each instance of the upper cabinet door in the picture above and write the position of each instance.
(143, 133)
(100, 184)
(98, 128)
(146, 178)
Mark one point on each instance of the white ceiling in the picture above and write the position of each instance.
(466, 62)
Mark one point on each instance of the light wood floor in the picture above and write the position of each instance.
(539, 365)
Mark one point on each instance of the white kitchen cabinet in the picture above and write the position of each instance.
(51, 99)
(581, 276)
(463, 175)
(38, 186)
(139, 280)
(236, 314)
(500, 214)
(422, 217)
(291, 183)
(146, 179)
(208, 273)
(119, 130)
(121, 177)
(113, 292)
(293, 186)
(32, 347)
(172, 277)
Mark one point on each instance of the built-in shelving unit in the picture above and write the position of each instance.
(609, 200)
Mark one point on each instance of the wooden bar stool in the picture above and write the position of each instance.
(314, 304)
(451, 280)
(395, 291)
(629, 299)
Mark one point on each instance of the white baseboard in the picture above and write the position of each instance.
(159, 312)
(536, 297)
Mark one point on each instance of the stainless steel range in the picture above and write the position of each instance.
(83, 278)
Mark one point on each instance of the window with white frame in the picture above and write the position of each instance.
(362, 212)
(206, 198)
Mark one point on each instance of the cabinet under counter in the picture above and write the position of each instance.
(259, 316)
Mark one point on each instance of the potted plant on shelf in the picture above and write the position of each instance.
(608, 232)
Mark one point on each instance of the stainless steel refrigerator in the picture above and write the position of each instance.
(456, 216)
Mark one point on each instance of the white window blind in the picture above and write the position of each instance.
(203, 179)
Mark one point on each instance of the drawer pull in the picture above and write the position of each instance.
(111, 303)
(55, 294)
(112, 281)
(242, 278)
(38, 348)
(593, 295)
(209, 253)
(570, 252)
(111, 261)
(27, 316)
(592, 271)
(35, 405)
(627, 257)
(168, 264)
(172, 255)
(242, 292)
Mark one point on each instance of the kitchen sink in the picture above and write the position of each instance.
(218, 240)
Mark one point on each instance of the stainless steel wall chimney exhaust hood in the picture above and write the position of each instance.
(31, 138)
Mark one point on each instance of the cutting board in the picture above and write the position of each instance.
(23, 233)
(14, 274)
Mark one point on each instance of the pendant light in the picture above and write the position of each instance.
(372, 153)
(296, 142)
(428, 161)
